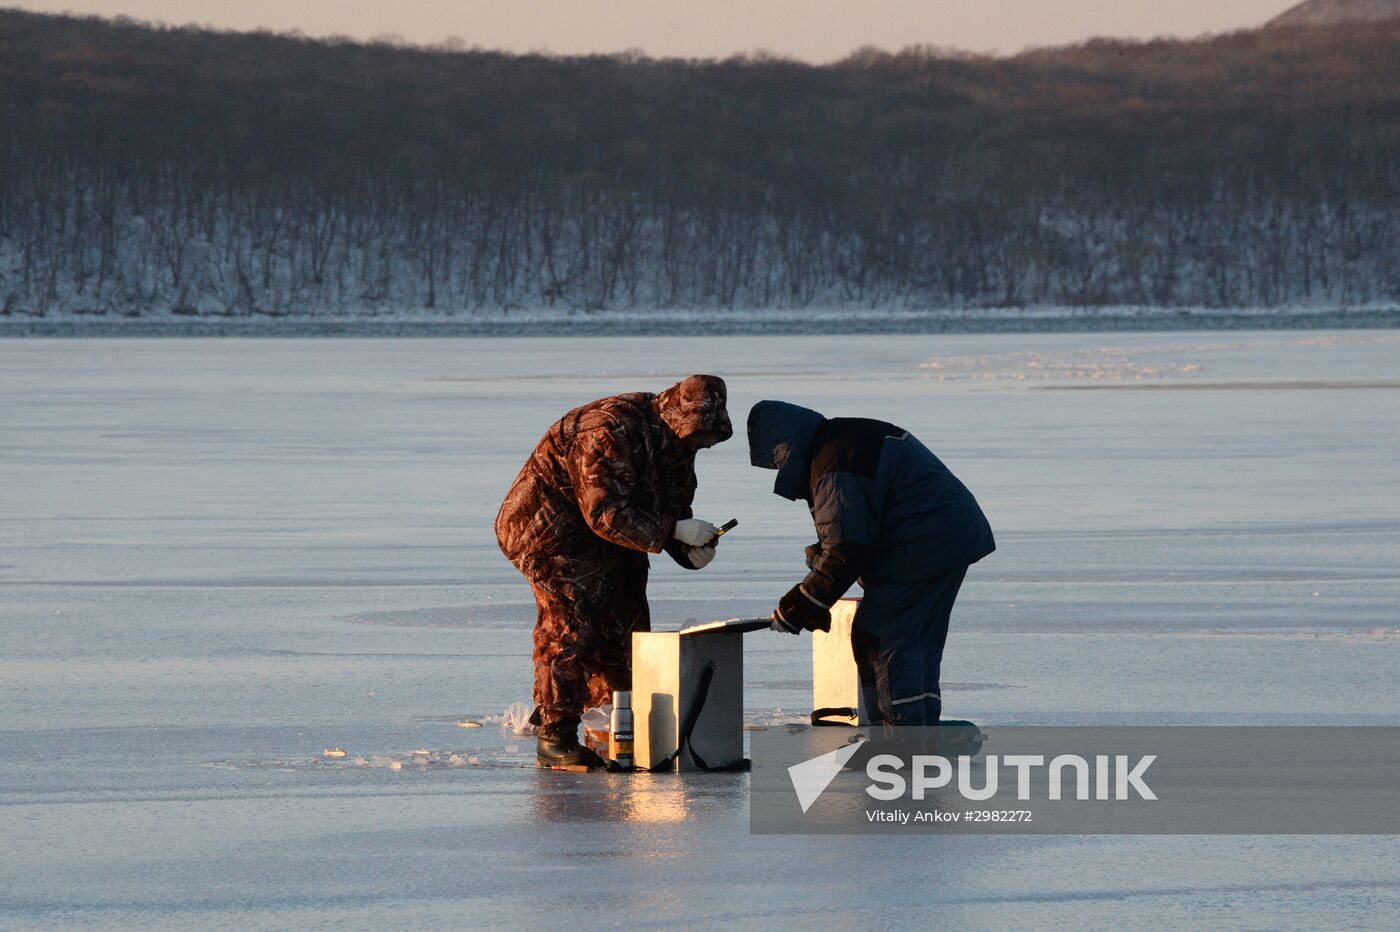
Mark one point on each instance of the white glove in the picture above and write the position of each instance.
(694, 533)
(700, 557)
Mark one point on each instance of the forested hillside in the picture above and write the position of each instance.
(163, 171)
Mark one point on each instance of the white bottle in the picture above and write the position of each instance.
(620, 730)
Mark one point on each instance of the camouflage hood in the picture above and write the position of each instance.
(696, 404)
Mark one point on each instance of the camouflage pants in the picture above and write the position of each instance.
(583, 638)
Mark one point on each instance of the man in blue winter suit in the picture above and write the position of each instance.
(890, 514)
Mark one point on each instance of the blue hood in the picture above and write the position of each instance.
(780, 436)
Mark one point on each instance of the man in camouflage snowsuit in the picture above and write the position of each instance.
(609, 483)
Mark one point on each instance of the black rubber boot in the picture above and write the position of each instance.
(558, 746)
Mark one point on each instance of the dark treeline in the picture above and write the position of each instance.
(157, 171)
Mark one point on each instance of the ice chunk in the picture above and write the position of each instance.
(516, 719)
(597, 719)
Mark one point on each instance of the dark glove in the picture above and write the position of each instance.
(797, 611)
(780, 625)
(813, 551)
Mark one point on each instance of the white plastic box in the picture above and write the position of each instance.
(835, 682)
(667, 673)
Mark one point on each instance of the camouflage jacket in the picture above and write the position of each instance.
(609, 478)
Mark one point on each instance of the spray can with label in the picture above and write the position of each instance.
(620, 728)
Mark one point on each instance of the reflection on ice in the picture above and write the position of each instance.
(1163, 359)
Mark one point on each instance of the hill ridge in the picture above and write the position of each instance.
(1337, 12)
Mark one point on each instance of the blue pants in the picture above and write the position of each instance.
(898, 638)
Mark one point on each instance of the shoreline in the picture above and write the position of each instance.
(690, 323)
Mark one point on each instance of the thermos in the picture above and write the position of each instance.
(620, 728)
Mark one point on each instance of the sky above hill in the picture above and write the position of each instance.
(813, 30)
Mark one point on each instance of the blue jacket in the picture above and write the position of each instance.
(885, 508)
